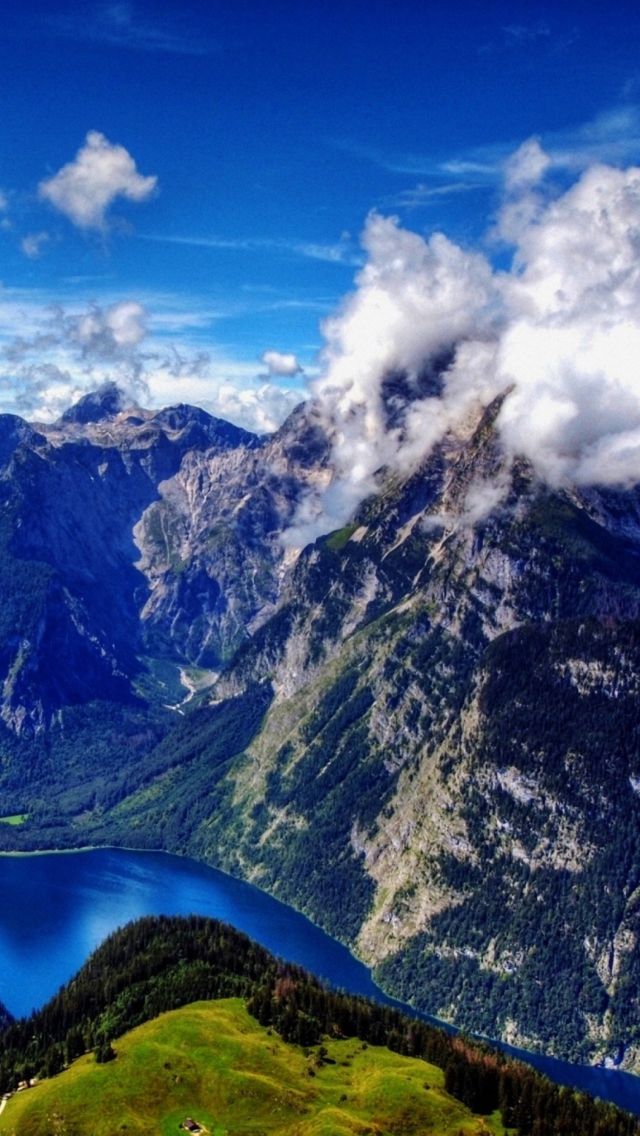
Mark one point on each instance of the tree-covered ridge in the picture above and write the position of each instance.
(162, 963)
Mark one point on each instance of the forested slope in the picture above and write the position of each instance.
(424, 731)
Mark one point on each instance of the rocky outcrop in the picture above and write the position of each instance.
(448, 773)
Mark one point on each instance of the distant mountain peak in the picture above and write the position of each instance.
(105, 402)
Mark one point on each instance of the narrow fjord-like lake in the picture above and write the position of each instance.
(55, 908)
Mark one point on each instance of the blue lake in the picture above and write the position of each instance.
(55, 908)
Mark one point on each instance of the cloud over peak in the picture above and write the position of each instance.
(84, 189)
(433, 333)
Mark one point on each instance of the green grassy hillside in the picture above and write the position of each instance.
(211, 1061)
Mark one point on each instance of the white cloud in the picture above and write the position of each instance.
(51, 356)
(109, 331)
(281, 364)
(415, 301)
(33, 243)
(526, 167)
(573, 341)
(261, 409)
(432, 334)
(84, 189)
(223, 387)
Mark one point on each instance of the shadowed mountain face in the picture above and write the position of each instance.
(423, 730)
(127, 534)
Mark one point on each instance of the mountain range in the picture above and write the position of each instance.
(421, 729)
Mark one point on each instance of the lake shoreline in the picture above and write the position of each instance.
(134, 868)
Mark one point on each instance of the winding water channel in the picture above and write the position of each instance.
(55, 908)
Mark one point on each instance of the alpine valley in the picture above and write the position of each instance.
(422, 730)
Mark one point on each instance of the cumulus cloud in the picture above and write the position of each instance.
(71, 353)
(108, 332)
(84, 189)
(387, 349)
(260, 409)
(33, 244)
(282, 364)
(433, 333)
(572, 344)
(60, 354)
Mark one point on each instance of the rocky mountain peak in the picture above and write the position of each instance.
(196, 429)
(105, 402)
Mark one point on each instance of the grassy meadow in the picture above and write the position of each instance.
(212, 1062)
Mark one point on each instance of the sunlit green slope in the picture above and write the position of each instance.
(212, 1062)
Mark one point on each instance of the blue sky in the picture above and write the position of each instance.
(184, 185)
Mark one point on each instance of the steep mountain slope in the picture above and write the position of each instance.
(449, 773)
(423, 731)
(118, 546)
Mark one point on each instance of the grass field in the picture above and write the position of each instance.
(211, 1061)
(17, 818)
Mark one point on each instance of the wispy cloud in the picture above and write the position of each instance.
(117, 25)
(612, 137)
(33, 244)
(517, 34)
(397, 163)
(539, 35)
(512, 36)
(482, 164)
(341, 252)
(423, 195)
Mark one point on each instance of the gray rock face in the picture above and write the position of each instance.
(448, 774)
(211, 546)
(134, 534)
